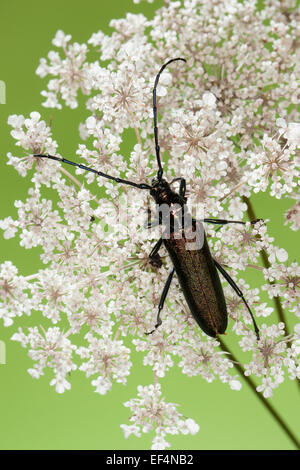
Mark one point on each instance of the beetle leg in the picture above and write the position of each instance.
(182, 188)
(239, 293)
(154, 223)
(224, 222)
(154, 258)
(151, 224)
(162, 300)
(156, 248)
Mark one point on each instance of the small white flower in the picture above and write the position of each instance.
(280, 253)
(131, 429)
(235, 385)
(209, 99)
(293, 134)
(61, 39)
(266, 387)
(237, 208)
(164, 82)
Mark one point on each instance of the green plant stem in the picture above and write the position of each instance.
(266, 263)
(264, 257)
(263, 400)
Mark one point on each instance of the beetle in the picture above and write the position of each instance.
(196, 269)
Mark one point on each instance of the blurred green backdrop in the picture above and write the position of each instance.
(33, 415)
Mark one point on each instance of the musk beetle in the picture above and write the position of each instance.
(196, 269)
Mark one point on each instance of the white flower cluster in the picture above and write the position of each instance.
(272, 357)
(150, 411)
(107, 357)
(228, 124)
(52, 349)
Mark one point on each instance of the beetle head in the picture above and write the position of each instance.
(160, 190)
(159, 182)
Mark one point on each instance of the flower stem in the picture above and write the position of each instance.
(71, 177)
(76, 182)
(31, 276)
(266, 263)
(138, 137)
(263, 400)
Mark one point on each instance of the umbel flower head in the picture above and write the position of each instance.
(228, 126)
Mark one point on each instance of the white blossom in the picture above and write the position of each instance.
(15, 301)
(150, 411)
(52, 349)
(107, 358)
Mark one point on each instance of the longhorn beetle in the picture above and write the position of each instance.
(196, 269)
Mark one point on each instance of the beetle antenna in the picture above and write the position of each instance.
(99, 173)
(157, 148)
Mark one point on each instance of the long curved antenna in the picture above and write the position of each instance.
(99, 173)
(157, 148)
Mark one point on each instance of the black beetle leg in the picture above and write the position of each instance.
(162, 300)
(156, 248)
(182, 188)
(154, 258)
(224, 222)
(239, 293)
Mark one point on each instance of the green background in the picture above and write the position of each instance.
(33, 415)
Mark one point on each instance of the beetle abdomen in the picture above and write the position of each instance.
(200, 283)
